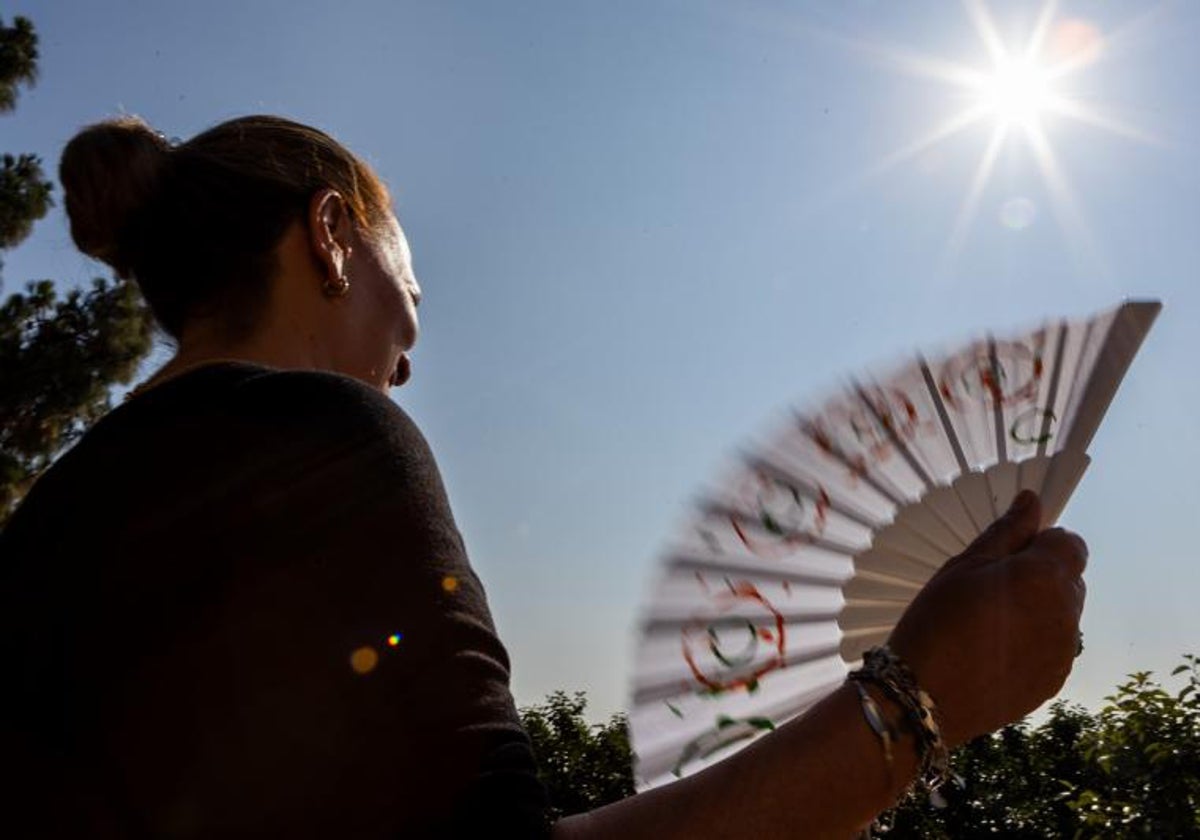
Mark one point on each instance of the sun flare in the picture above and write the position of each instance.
(1017, 92)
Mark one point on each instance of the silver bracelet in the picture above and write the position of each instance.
(877, 722)
(885, 669)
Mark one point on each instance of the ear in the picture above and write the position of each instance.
(330, 232)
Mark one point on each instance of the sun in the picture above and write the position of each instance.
(1017, 92)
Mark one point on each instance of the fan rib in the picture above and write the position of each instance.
(1121, 344)
(966, 487)
(879, 561)
(1074, 386)
(869, 614)
(892, 538)
(669, 620)
(836, 453)
(1052, 396)
(679, 685)
(808, 490)
(772, 571)
(890, 431)
(723, 510)
(949, 508)
(997, 406)
(943, 415)
(866, 586)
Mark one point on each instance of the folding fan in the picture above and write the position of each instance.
(808, 549)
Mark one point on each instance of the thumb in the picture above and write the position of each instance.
(1012, 531)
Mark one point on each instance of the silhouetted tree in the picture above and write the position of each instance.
(18, 59)
(59, 358)
(1132, 769)
(24, 193)
(582, 765)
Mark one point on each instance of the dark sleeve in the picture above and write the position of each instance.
(342, 676)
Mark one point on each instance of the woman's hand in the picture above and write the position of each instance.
(990, 637)
(994, 633)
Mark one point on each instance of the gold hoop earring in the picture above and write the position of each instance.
(336, 288)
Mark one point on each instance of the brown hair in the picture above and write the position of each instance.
(196, 224)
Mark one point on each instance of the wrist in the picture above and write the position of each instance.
(891, 676)
(899, 744)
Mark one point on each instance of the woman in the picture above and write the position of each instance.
(240, 605)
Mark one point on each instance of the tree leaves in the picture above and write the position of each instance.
(18, 59)
(1131, 769)
(582, 765)
(58, 358)
(58, 361)
(24, 197)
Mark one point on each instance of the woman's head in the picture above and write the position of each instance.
(199, 224)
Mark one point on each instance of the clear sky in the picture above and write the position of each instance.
(642, 228)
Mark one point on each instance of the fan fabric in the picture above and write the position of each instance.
(810, 546)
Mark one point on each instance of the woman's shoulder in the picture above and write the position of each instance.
(287, 402)
(238, 419)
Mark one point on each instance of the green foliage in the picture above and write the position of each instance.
(24, 197)
(24, 192)
(1146, 746)
(58, 360)
(18, 59)
(1130, 770)
(582, 765)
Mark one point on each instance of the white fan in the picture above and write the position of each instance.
(810, 547)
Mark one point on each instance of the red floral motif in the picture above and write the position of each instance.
(726, 671)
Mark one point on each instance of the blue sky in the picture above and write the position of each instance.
(642, 228)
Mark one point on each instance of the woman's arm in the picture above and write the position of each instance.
(990, 637)
(822, 775)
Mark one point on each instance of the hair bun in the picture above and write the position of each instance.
(109, 172)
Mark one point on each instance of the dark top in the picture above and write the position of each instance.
(240, 607)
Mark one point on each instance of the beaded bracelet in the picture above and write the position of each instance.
(883, 668)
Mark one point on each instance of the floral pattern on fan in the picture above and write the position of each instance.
(724, 733)
(735, 643)
(781, 518)
(866, 431)
(842, 512)
(1033, 426)
(1008, 371)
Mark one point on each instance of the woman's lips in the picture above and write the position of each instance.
(402, 372)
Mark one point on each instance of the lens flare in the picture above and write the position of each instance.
(364, 660)
(1018, 213)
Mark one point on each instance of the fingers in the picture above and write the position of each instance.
(1065, 548)
(1012, 531)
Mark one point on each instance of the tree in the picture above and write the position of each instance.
(58, 362)
(18, 59)
(24, 192)
(582, 765)
(59, 358)
(1131, 769)
(1145, 748)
